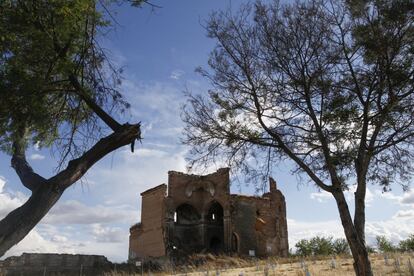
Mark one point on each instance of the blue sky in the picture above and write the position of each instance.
(159, 50)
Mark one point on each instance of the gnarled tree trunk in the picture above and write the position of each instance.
(46, 192)
(18, 223)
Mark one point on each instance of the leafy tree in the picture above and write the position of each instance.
(384, 244)
(321, 246)
(55, 84)
(407, 244)
(340, 246)
(325, 84)
(304, 248)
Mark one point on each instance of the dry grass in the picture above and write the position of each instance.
(233, 266)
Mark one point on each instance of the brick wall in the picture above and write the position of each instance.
(148, 238)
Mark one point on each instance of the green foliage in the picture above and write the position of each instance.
(340, 246)
(42, 44)
(303, 248)
(407, 244)
(370, 249)
(321, 246)
(384, 245)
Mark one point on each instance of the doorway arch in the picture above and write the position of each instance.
(186, 214)
(214, 235)
(235, 243)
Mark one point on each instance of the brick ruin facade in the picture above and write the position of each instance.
(198, 214)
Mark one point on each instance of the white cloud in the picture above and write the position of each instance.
(74, 227)
(157, 105)
(36, 243)
(321, 196)
(59, 239)
(36, 146)
(408, 198)
(9, 200)
(108, 234)
(143, 152)
(176, 74)
(131, 174)
(305, 230)
(404, 214)
(405, 199)
(36, 156)
(106, 241)
(75, 212)
(397, 228)
(324, 196)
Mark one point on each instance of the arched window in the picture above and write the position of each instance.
(215, 213)
(234, 243)
(186, 214)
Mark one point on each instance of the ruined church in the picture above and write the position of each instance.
(197, 213)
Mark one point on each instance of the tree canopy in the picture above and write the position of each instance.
(325, 84)
(44, 45)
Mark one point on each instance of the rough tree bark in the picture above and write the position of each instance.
(46, 192)
(362, 265)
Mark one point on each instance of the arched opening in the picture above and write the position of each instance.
(215, 213)
(186, 214)
(234, 243)
(187, 234)
(214, 238)
(216, 245)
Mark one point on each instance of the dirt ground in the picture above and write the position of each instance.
(392, 264)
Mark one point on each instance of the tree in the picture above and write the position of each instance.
(321, 246)
(384, 245)
(304, 248)
(340, 246)
(55, 83)
(407, 244)
(325, 84)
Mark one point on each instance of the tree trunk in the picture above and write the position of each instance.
(18, 223)
(362, 265)
(45, 193)
(361, 168)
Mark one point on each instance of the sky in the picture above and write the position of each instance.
(159, 50)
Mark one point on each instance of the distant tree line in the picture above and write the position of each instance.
(321, 246)
(385, 245)
(324, 246)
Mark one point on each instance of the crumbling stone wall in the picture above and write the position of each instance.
(259, 224)
(147, 238)
(54, 264)
(207, 197)
(200, 215)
